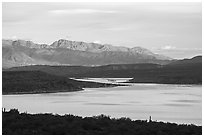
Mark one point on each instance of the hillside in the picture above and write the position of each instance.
(15, 123)
(65, 52)
(29, 82)
(177, 72)
(115, 70)
(186, 71)
(194, 60)
(187, 74)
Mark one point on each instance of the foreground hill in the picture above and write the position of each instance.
(65, 52)
(14, 123)
(177, 72)
(29, 82)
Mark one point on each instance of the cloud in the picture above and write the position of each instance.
(97, 41)
(17, 38)
(117, 28)
(173, 48)
(168, 47)
(80, 11)
(14, 37)
(177, 7)
(178, 53)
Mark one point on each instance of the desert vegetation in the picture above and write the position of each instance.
(16, 123)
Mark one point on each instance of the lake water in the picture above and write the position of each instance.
(172, 103)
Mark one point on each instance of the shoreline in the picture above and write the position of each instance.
(40, 92)
(109, 86)
(86, 79)
(60, 91)
(187, 84)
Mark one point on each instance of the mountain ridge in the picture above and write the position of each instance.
(74, 53)
(78, 45)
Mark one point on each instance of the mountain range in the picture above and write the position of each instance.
(65, 52)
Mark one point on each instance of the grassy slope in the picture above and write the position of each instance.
(22, 82)
(48, 124)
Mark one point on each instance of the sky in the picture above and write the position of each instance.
(172, 29)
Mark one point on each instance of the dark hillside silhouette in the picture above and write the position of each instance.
(25, 82)
(15, 123)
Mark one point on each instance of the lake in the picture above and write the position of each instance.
(163, 102)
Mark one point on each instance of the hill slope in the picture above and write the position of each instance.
(187, 71)
(175, 73)
(194, 60)
(29, 82)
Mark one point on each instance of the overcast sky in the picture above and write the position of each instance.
(172, 29)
